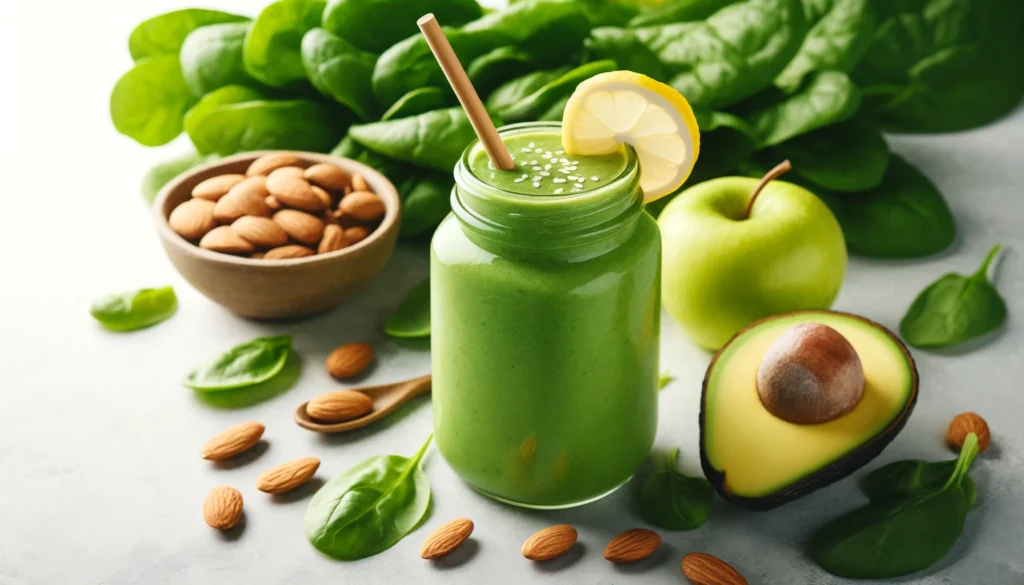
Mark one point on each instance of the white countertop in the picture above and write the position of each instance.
(100, 479)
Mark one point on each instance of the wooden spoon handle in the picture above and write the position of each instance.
(420, 385)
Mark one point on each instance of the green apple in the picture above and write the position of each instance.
(722, 270)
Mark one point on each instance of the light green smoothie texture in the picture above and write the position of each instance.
(545, 369)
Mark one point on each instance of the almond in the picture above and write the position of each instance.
(214, 188)
(222, 508)
(446, 538)
(232, 441)
(269, 162)
(328, 176)
(632, 546)
(359, 183)
(193, 219)
(340, 406)
(349, 360)
(293, 191)
(272, 203)
(288, 252)
(362, 205)
(224, 239)
(549, 543)
(323, 196)
(287, 476)
(356, 234)
(300, 225)
(260, 231)
(292, 172)
(256, 186)
(333, 239)
(964, 424)
(704, 569)
(238, 203)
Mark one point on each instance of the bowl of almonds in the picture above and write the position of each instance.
(277, 235)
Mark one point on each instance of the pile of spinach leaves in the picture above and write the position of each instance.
(811, 80)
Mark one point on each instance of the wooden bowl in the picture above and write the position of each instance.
(278, 289)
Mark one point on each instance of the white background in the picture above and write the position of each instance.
(100, 481)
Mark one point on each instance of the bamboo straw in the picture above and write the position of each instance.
(466, 93)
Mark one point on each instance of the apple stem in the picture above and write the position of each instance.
(770, 176)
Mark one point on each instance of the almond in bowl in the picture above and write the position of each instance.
(276, 235)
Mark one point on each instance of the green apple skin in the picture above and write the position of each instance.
(721, 271)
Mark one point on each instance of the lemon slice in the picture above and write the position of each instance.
(622, 107)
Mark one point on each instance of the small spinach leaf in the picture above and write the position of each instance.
(848, 157)
(826, 98)
(912, 477)
(395, 171)
(955, 309)
(412, 317)
(245, 364)
(370, 507)
(416, 102)
(673, 501)
(136, 309)
(541, 102)
(835, 42)
(375, 25)
(339, 70)
(211, 57)
(518, 89)
(272, 52)
(164, 34)
(426, 201)
(149, 101)
(162, 173)
(897, 537)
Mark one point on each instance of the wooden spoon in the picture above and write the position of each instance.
(386, 399)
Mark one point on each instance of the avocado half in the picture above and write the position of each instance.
(759, 461)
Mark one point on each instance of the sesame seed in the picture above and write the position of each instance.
(573, 178)
(536, 168)
(559, 152)
(564, 161)
(558, 190)
(536, 179)
(519, 180)
(531, 145)
(547, 167)
(524, 150)
(544, 174)
(557, 180)
(536, 184)
(595, 178)
(538, 150)
(564, 171)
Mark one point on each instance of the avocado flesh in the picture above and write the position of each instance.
(760, 461)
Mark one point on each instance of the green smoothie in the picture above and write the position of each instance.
(545, 319)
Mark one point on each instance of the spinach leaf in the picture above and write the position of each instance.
(339, 70)
(412, 317)
(434, 140)
(849, 156)
(490, 70)
(370, 507)
(893, 538)
(375, 25)
(416, 102)
(426, 202)
(516, 90)
(939, 66)
(835, 42)
(211, 57)
(133, 310)
(162, 173)
(245, 364)
(272, 53)
(716, 62)
(538, 104)
(606, 12)
(164, 34)
(395, 171)
(230, 94)
(679, 11)
(904, 217)
(826, 98)
(955, 309)
(912, 477)
(149, 101)
(673, 501)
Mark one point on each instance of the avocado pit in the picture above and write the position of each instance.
(810, 374)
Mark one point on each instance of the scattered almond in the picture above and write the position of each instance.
(255, 186)
(287, 476)
(287, 252)
(293, 191)
(232, 441)
(362, 205)
(222, 508)
(260, 231)
(446, 538)
(275, 160)
(964, 424)
(224, 239)
(300, 225)
(356, 234)
(333, 239)
(323, 196)
(214, 188)
(549, 543)
(340, 406)
(704, 569)
(238, 203)
(359, 183)
(632, 546)
(192, 219)
(349, 360)
(327, 176)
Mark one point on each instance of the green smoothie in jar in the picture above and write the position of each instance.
(545, 314)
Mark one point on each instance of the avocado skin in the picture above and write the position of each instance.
(829, 474)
